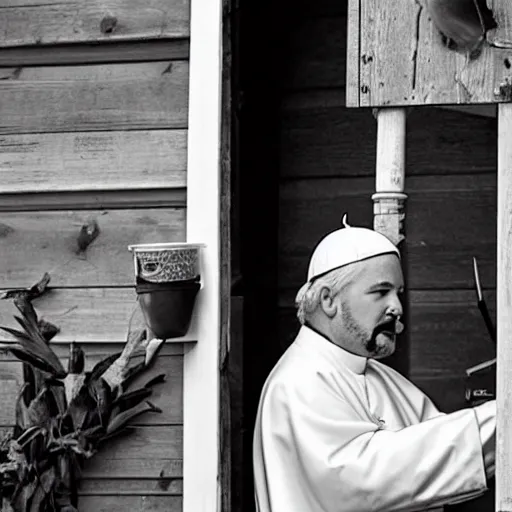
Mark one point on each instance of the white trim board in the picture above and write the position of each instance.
(201, 366)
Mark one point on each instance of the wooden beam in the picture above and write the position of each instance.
(224, 503)
(94, 200)
(117, 503)
(353, 43)
(201, 443)
(94, 53)
(504, 308)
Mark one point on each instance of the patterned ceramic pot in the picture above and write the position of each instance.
(166, 262)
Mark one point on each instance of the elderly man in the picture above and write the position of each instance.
(338, 431)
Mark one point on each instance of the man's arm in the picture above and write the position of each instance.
(349, 463)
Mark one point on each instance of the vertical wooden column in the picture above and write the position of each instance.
(389, 197)
(201, 381)
(504, 312)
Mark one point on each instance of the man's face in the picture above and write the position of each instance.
(370, 306)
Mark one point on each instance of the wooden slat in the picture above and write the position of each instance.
(98, 350)
(116, 503)
(302, 99)
(316, 53)
(152, 452)
(32, 243)
(94, 200)
(54, 21)
(449, 220)
(167, 396)
(148, 452)
(236, 396)
(352, 73)
(447, 332)
(93, 161)
(172, 486)
(86, 315)
(299, 9)
(142, 51)
(97, 97)
(323, 141)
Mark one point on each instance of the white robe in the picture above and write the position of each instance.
(336, 432)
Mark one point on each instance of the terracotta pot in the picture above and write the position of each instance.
(168, 307)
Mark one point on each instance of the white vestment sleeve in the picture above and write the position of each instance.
(486, 418)
(341, 461)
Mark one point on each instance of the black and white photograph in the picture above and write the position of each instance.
(255, 256)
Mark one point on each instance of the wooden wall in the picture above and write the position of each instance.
(93, 129)
(327, 166)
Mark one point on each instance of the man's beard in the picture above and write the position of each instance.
(369, 339)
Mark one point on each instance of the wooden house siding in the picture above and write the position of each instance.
(327, 167)
(96, 132)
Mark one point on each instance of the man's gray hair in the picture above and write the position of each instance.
(308, 297)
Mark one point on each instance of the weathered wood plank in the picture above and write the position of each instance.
(236, 390)
(315, 53)
(320, 141)
(134, 96)
(462, 206)
(32, 243)
(167, 396)
(93, 53)
(154, 453)
(98, 350)
(93, 161)
(298, 9)
(146, 467)
(94, 200)
(148, 452)
(145, 503)
(151, 452)
(54, 21)
(447, 332)
(404, 61)
(172, 486)
(85, 315)
(352, 71)
(504, 303)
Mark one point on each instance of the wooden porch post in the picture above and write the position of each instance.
(504, 312)
(201, 376)
(389, 194)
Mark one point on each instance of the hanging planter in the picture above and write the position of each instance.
(168, 279)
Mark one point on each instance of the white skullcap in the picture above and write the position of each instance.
(348, 245)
